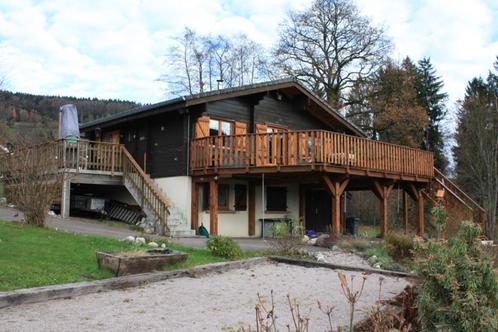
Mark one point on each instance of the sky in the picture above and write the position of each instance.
(115, 48)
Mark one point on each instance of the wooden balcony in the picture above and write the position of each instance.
(316, 150)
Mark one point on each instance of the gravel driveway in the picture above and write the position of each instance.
(208, 303)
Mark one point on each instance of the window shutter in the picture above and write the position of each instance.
(261, 128)
(261, 145)
(202, 127)
(240, 129)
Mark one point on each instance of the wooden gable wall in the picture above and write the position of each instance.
(269, 110)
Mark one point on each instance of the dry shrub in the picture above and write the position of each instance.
(266, 317)
(32, 179)
(287, 240)
(398, 314)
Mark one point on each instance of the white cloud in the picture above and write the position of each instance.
(115, 49)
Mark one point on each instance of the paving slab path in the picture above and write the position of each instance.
(207, 303)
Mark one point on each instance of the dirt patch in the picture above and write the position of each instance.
(207, 303)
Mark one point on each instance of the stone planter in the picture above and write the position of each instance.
(131, 262)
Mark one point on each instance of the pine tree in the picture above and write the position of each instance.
(433, 100)
(476, 152)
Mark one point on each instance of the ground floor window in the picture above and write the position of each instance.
(223, 196)
(276, 199)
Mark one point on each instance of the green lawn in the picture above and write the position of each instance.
(32, 257)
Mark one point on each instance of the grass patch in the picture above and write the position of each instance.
(33, 257)
(369, 231)
(203, 256)
(383, 258)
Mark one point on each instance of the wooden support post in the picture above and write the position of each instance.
(336, 187)
(343, 198)
(405, 212)
(416, 194)
(194, 216)
(213, 207)
(382, 191)
(65, 197)
(420, 202)
(252, 209)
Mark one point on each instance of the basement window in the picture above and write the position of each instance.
(276, 199)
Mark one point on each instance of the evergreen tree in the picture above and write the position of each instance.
(476, 152)
(433, 100)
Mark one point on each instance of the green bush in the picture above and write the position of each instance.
(440, 216)
(399, 246)
(225, 247)
(459, 288)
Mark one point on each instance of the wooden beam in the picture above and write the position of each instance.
(412, 191)
(405, 212)
(213, 207)
(336, 219)
(420, 201)
(194, 215)
(382, 191)
(252, 209)
(336, 187)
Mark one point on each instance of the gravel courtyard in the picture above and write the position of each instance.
(208, 303)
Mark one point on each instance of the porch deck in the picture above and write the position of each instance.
(312, 150)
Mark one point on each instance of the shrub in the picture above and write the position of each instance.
(399, 246)
(440, 216)
(459, 288)
(225, 247)
(286, 240)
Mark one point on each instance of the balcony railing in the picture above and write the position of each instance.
(315, 147)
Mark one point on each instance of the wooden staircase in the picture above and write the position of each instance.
(150, 198)
(109, 159)
(457, 203)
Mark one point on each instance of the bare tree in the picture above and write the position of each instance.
(179, 61)
(33, 180)
(198, 61)
(329, 46)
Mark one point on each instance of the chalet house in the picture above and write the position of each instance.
(233, 158)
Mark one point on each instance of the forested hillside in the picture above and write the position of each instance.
(23, 107)
(35, 117)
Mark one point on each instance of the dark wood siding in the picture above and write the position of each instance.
(167, 148)
(286, 113)
(232, 109)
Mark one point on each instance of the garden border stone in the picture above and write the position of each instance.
(308, 263)
(45, 293)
